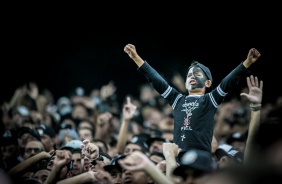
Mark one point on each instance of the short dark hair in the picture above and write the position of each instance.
(76, 150)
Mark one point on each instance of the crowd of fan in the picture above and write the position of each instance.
(92, 138)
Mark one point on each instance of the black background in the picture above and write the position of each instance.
(61, 47)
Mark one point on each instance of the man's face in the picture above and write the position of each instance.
(85, 162)
(196, 78)
(42, 175)
(9, 151)
(32, 148)
(137, 177)
(129, 148)
(47, 141)
(116, 176)
(157, 146)
(77, 165)
(85, 134)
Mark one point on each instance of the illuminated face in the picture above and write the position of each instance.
(196, 78)
(77, 166)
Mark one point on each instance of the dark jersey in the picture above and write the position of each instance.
(193, 114)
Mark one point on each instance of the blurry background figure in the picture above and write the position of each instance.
(228, 156)
(10, 152)
(194, 166)
(76, 160)
(48, 137)
(237, 141)
(115, 169)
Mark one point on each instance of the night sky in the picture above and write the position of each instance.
(60, 51)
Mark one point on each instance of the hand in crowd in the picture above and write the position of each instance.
(255, 90)
(104, 118)
(136, 161)
(128, 109)
(47, 154)
(20, 91)
(170, 149)
(103, 177)
(108, 90)
(33, 90)
(89, 150)
(178, 81)
(62, 158)
(162, 166)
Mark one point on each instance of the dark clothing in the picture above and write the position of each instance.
(193, 114)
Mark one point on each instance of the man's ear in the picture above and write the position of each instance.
(208, 83)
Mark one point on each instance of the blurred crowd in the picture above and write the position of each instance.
(90, 137)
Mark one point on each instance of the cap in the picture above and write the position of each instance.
(236, 155)
(236, 137)
(63, 101)
(152, 139)
(23, 110)
(114, 165)
(9, 137)
(141, 141)
(46, 130)
(204, 68)
(71, 133)
(73, 144)
(196, 159)
(34, 133)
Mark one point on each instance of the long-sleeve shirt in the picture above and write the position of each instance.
(193, 114)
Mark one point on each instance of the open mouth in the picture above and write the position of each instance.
(192, 81)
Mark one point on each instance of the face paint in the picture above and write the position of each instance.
(196, 78)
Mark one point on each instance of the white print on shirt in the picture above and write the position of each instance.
(188, 109)
(183, 137)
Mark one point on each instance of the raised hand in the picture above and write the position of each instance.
(132, 53)
(128, 109)
(62, 158)
(255, 90)
(171, 149)
(136, 161)
(108, 90)
(130, 50)
(89, 150)
(252, 56)
(33, 90)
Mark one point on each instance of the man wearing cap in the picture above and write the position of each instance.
(73, 144)
(115, 169)
(194, 113)
(194, 165)
(155, 144)
(48, 137)
(26, 135)
(228, 156)
(237, 141)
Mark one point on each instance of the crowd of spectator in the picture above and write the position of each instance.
(92, 138)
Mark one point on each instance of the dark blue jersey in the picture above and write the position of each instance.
(193, 114)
